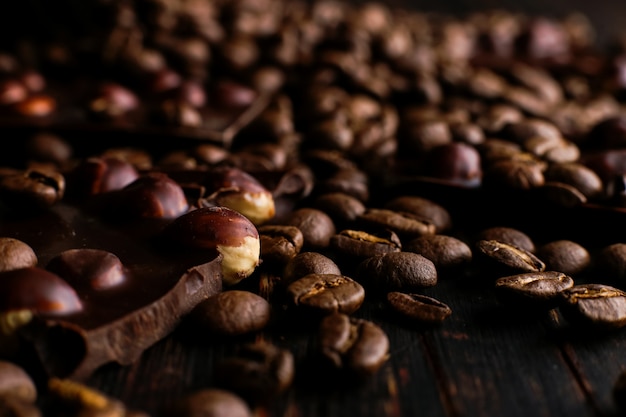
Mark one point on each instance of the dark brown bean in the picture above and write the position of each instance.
(510, 256)
(306, 263)
(595, 305)
(280, 243)
(425, 208)
(564, 256)
(417, 307)
(15, 254)
(258, 372)
(355, 345)
(326, 293)
(232, 313)
(446, 252)
(210, 402)
(316, 227)
(397, 271)
(508, 235)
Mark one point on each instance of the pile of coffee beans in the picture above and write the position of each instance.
(270, 161)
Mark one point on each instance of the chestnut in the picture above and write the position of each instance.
(113, 100)
(88, 268)
(100, 175)
(153, 196)
(232, 234)
(238, 190)
(37, 290)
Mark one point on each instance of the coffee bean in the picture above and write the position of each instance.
(445, 252)
(306, 263)
(354, 345)
(342, 208)
(564, 256)
(210, 402)
(561, 194)
(232, 313)
(356, 244)
(422, 207)
(418, 308)
(405, 225)
(539, 287)
(397, 271)
(508, 235)
(32, 189)
(611, 262)
(279, 243)
(46, 147)
(15, 254)
(596, 305)
(516, 174)
(326, 293)
(258, 372)
(316, 226)
(510, 256)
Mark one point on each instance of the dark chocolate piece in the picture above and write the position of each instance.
(119, 322)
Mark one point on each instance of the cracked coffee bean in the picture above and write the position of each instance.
(510, 256)
(540, 288)
(418, 308)
(354, 345)
(326, 293)
(258, 372)
(594, 305)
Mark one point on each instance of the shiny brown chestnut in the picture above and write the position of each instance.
(152, 196)
(100, 175)
(228, 231)
(240, 191)
(88, 268)
(37, 290)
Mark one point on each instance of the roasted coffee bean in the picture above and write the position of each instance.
(516, 174)
(596, 305)
(539, 287)
(15, 254)
(113, 100)
(32, 189)
(353, 182)
(16, 383)
(232, 313)
(418, 308)
(406, 225)
(306, 263)
(341, 207)
(279, 243)
(561, 194)
(508, 235)
(316, 226)
(357, 244)
(446, 252)
(510, 256)
(424, 136)
(46, 147)
(611, 262)
(353, 345)
(211, 402)
(326, 293)
(564, 256)
(422, 207)
(468, 133)
(397, 271)
(258, 372)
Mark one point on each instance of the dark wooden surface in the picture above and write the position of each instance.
(485, 360)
